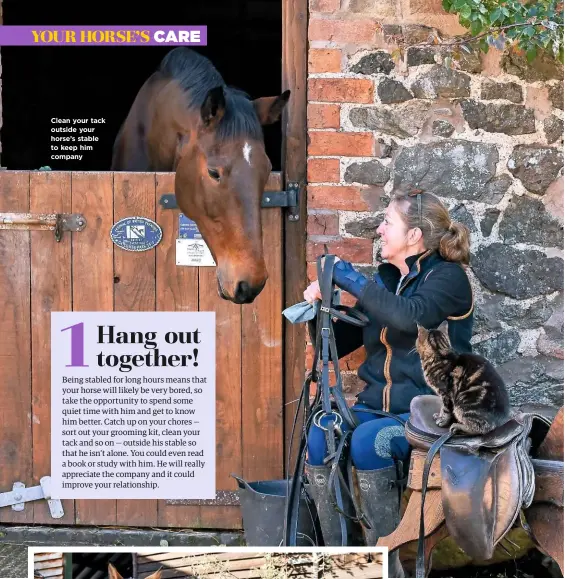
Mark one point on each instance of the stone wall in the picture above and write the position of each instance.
(487, 138)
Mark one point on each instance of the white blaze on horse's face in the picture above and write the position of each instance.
(247, 153)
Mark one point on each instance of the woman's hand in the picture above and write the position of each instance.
(312, 292)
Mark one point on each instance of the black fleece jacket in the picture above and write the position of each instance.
(433, 291)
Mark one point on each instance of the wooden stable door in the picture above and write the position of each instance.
(84, 271)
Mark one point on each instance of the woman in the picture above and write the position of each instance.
(423, 282)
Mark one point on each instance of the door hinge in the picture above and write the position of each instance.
(287, 199)
(57, 222)
(20, 494)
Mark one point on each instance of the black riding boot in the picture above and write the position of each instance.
(380, 502)
(330, 520)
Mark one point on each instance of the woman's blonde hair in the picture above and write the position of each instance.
(424, 210)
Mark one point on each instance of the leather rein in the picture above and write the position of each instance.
(329, 405)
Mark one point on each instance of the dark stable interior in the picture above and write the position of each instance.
(41, 82)
(95, 565)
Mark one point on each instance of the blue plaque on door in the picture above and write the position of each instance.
(136, 234)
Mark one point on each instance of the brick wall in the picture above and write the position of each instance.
(486, 137)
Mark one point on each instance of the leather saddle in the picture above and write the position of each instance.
(486, 480)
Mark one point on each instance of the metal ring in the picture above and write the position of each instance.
(316, 420)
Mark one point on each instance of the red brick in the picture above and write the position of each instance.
(359, 31)
(309, 356)
(324, 5)
(310, 359)
(323, 116)
(326, 143)
(354, 360)
(323, 170)
(323, 224)
(350, 249)
(314, 386)
(324, 60)
(426, 7)
(312, 271)
(347, 299)
(344, 197)
(376, 8)
(341, 90)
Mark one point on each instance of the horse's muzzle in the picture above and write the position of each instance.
(244, 293)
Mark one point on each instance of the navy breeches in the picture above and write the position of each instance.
(374, 443)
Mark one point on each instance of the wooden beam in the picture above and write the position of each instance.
(294, 73)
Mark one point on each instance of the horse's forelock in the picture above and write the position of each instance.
(240, 119)
(196, 76)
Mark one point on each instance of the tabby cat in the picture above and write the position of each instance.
(474, 396)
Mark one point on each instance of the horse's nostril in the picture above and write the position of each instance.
(242, 291)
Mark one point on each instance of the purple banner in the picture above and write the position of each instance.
(103, 35)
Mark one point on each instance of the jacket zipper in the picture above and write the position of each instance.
(418, 268)
(388, 359)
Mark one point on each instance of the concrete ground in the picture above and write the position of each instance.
(13, 560)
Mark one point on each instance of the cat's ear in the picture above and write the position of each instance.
(444, 328)
(422, 332)
(443, 343)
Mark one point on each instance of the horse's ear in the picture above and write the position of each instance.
(156, 575)
(269, 109)
(113, 572)
(213, 107)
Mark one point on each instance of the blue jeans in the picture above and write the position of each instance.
(374, 443)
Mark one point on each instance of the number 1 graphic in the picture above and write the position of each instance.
(77, 346)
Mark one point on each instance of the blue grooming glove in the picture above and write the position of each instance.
(348, 279)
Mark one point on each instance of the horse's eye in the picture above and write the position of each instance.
(214, 174)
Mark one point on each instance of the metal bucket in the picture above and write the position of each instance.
(263, 512)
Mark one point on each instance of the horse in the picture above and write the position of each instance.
(114, 574)
(187, 120)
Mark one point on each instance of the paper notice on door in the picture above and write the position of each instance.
(194, 252)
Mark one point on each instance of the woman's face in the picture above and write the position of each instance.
(392, 231)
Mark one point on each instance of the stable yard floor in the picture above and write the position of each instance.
(13, 560)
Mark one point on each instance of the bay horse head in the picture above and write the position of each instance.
(114, 574)
(186, 119)
(221, 172)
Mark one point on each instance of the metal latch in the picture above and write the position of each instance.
(57, 222)
(20, 494)
(288, 198)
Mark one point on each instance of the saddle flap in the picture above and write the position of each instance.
(469, 499)
(512, 477)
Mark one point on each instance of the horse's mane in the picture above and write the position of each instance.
(196, 75)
